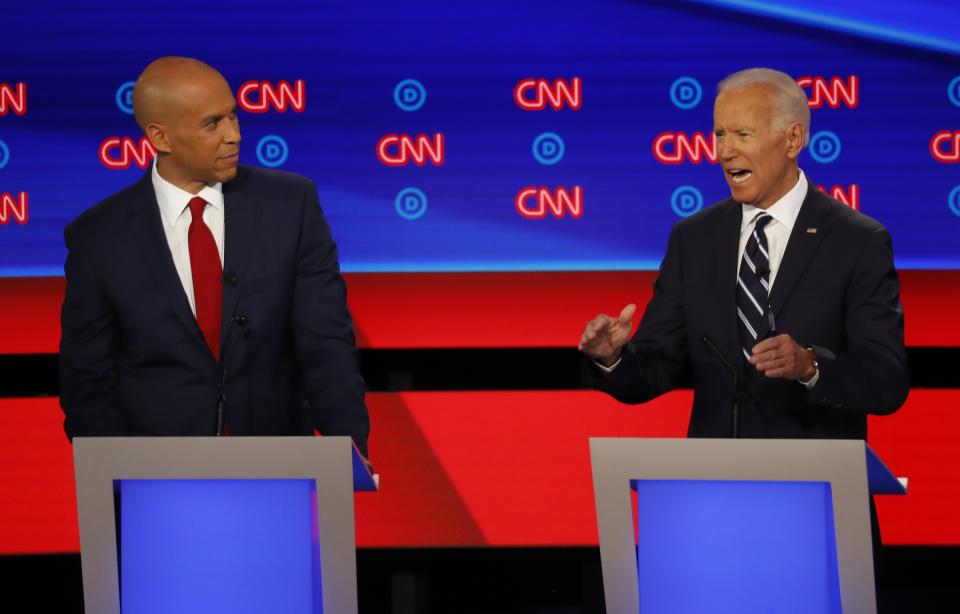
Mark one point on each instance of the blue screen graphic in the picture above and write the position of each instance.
(593, 180)
(730, 547)
(202, 546)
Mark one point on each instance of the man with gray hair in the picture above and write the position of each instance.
(780, 302)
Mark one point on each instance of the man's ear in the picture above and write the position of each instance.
(794, 140)
(159, 137)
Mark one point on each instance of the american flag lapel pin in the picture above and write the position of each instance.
(811, 231)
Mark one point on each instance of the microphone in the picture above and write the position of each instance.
(735, 426)
(230, 278)
(221, 399)
(771, 324)
(240, 320)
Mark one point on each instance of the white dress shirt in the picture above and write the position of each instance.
(176, 222)
(784, 213)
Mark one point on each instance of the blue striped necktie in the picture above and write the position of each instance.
(753, 288)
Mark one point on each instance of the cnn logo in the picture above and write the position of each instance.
(263, 96)
(535, 203)
(118, 152)
(849, 197)
(677, 147)
(538, 94)
(13, 98)
(834, 91)
(14, 208)
(945, 146)
(402, 149)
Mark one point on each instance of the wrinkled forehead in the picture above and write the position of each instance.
(753, 104)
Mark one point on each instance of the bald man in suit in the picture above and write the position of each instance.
(207, 297)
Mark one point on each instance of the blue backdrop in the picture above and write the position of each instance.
(646, 68)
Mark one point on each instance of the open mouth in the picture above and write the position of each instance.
(739, 175)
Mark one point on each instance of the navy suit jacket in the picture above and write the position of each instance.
(836, 290)
(133, 360)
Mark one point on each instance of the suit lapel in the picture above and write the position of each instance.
(725, 289)
(241, 216)
(147, 227)
(801, 246)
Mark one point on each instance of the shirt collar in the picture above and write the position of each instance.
(173, 200)
(784, 211)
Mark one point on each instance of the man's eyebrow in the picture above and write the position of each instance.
(218, 117)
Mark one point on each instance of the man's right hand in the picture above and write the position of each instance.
(604, 337)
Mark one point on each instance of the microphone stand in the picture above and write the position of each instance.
(230, 279)
(735, 426)
(221, 398)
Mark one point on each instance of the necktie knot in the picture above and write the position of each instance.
(197, 206)
(762, 220)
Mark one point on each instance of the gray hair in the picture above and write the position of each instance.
(791, 101)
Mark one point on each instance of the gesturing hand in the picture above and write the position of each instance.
(604, 337)
(781, 356)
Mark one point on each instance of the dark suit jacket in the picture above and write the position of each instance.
(836, 290)
(133, 360)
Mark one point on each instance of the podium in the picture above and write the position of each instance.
(205, 524)
(737, 525)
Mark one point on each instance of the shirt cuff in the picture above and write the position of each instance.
(610, 368)
(812, 382)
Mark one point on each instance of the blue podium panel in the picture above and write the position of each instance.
(208, 546)
(735, 547)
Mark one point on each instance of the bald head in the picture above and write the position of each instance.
(167, 84)
(188, 112)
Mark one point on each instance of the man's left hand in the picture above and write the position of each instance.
(781, 356)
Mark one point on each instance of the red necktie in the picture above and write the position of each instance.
(207, 273)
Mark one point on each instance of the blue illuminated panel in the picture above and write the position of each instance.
(207, 546)
(734, 547)
(882, 78)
